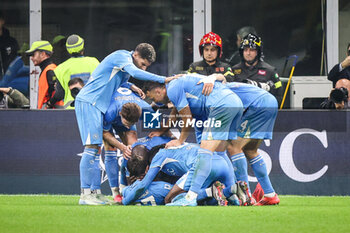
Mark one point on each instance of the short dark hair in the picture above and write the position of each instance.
(138, 162)
(140, 150)
(149, 86)
(131, 112)
(146, 51)
(154, 151)
(75, 81)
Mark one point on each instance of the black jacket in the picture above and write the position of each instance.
(334, 75)
(8, 50)
(201, 67)
(262, 73)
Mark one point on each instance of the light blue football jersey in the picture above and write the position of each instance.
(109, 75)
(119, 98)
(153, 196)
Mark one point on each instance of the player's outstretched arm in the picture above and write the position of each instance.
(140, 187)
(111, 140)
(143, 75)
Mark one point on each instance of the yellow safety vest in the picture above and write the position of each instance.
(74, 67)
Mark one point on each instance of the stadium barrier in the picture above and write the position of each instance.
(309, 154)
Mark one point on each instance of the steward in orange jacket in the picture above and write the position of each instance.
(40, 53)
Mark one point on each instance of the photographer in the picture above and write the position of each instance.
(74, 85)
(12, 98)
(341, 70)
(339, 96)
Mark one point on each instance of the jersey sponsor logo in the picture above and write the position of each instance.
(262, 72)
(199, 68)
(151, 120)
(237, 71)
(171, 171)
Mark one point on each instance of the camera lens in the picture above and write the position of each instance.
(337, 96)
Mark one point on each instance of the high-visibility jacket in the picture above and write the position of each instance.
(74, 67)
(43, 94)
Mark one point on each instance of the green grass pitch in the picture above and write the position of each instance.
(54, 213)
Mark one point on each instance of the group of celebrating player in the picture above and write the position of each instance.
(163, 169)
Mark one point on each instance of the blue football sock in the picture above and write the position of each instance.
(202, 194)
(86, 167)
(112, 168)
(259, 167)
(96, 178)
(240, 167)
(201, 170)
(123, 172)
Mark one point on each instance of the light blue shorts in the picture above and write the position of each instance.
(220, 171)
(259, 119)
(90, 123)
(228, 111)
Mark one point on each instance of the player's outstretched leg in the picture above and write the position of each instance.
(201, 171)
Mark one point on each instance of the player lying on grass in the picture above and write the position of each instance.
(148, 143)
(179, 161)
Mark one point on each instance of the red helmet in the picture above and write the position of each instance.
(211, 38)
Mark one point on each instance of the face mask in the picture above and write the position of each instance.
(74, 92)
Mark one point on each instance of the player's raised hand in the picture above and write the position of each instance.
(138, 90)
(155, 134)
(168, 79)
(127, 152)
(209, 82)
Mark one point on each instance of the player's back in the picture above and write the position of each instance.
(154, 195)
(121, 97)
(150, 142)
(176, 161)
(186, 91)
(246, 92)
(102, 83)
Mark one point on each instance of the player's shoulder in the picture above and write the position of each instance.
(119, 56)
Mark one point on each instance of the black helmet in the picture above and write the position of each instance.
(252, 41)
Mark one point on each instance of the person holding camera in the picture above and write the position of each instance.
(339, 96)
(341, 70)
(12, 98)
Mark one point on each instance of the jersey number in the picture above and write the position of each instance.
(149, 201)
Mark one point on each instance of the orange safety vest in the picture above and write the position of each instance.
(43, 94)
